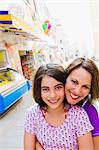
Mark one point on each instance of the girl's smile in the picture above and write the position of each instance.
(52, 92)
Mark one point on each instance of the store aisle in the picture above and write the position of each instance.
(12, 124)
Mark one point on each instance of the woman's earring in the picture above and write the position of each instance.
(89, 98)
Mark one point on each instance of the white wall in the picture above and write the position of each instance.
(80, 20)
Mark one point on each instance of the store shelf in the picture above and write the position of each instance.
(27, 63)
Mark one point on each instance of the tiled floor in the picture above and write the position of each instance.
(12, 125)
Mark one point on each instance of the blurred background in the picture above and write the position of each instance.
(35, 32)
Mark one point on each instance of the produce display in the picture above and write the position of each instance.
(6, 77)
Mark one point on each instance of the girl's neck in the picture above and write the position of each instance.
(56, 111)
(55, 117)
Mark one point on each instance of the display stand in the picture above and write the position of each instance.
(12, 85)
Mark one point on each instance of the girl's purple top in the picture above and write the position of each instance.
(93, 113)
(62, 137)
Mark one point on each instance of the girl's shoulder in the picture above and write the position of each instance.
(76, 107)
(77, 110)
(80, 117)
(34, 107)
(32, 119)
(34, 110)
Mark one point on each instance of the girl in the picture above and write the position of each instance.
(82, 88)
(55, 124)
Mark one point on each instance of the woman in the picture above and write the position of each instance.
(82, 88)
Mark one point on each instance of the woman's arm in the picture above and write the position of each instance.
(96, 142)
(29, 141)
(85, 142)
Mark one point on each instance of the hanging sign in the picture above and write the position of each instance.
(46, 27)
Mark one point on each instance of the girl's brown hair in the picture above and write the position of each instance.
(53, 70)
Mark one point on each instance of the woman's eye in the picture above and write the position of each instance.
(73, 81)
(86, 87)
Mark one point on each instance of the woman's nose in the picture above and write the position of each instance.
(77, 90)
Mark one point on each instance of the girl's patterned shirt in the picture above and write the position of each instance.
(63, 137)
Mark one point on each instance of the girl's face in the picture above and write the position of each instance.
(52, 92)
(78, 85)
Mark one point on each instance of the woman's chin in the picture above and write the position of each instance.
(72, 101)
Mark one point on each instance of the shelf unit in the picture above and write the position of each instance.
(27, 63)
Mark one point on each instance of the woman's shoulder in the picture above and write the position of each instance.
(93, 113)
(95, 104)
(92, 108)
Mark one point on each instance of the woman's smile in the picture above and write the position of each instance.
(78, 85)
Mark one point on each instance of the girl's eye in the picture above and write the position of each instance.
(44, 89)
(58, 87)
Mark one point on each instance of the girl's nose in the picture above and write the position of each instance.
(52, 94)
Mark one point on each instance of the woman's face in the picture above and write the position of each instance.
(78, 85)
(52, 92)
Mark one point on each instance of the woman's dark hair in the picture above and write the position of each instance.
(53, 70)
(91, 67)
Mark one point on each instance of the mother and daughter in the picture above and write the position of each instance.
(57, 120)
